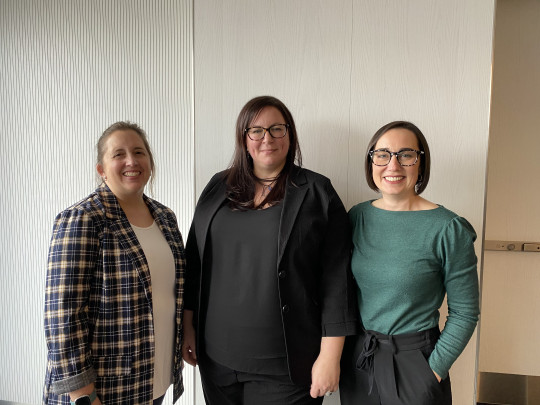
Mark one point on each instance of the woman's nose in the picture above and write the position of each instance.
(131, 159)
(267, 137)
(394, 164)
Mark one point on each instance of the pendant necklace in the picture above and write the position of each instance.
(266, 188)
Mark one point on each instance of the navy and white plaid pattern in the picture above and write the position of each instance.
(98, 303)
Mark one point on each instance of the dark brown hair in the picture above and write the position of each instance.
(425, 159)
(125, 126)
(241, 179)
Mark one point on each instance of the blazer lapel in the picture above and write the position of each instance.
(295, 193)
(122, 230)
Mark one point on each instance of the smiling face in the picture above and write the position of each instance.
(394, 180)
(126, 165)
(269, 154)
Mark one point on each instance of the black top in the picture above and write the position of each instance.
(243, 329)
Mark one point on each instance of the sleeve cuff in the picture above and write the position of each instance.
(341, 329)
(74, 383)
(442, 373)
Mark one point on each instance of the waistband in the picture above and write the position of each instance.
(374, 341)
(406, 341)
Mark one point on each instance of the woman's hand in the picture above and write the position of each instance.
(437, 375)
(326, 370)
(188, 345)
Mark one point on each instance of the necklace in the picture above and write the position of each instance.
(266, 188)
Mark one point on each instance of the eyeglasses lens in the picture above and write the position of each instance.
(407, 158)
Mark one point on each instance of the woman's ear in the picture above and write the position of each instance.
(100, 170)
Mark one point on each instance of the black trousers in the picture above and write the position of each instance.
(379, 369)
(224, 386)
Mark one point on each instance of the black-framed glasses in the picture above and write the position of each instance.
(275, 131)
(405, 157)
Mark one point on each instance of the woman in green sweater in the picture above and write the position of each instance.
(408, 253)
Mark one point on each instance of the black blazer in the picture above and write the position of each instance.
(316, 288)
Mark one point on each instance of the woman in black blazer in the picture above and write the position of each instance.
(269, 292)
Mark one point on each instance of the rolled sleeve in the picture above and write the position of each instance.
(72, 261)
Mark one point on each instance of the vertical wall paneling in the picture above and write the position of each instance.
(70, 68)
(345, 68)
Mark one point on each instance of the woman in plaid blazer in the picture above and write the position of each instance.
(114, 291)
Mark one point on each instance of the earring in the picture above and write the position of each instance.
(104, 178)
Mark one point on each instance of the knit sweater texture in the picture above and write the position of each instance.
(404, 263)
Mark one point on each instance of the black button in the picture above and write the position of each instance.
(285, 308)
(282, 274)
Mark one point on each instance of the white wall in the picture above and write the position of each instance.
(510, 300)
(345, 68)
(68, 69)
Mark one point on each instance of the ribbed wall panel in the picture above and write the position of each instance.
(68, 69)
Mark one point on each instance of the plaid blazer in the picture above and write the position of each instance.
(98, 303)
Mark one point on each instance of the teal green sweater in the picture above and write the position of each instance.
(404, 262)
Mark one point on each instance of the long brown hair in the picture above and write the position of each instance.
(241, 179)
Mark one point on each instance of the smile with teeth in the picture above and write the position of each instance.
(131, 174)
(394, 178)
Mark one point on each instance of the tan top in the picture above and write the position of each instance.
(161, 264)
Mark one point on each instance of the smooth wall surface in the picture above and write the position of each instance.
(69, 69)
(345, 68)
(510, 299)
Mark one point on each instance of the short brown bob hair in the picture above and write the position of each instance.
(425, 159)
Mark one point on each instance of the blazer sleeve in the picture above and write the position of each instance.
(73, 257)
(193, 259)
(339, 312)
(193, 271)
